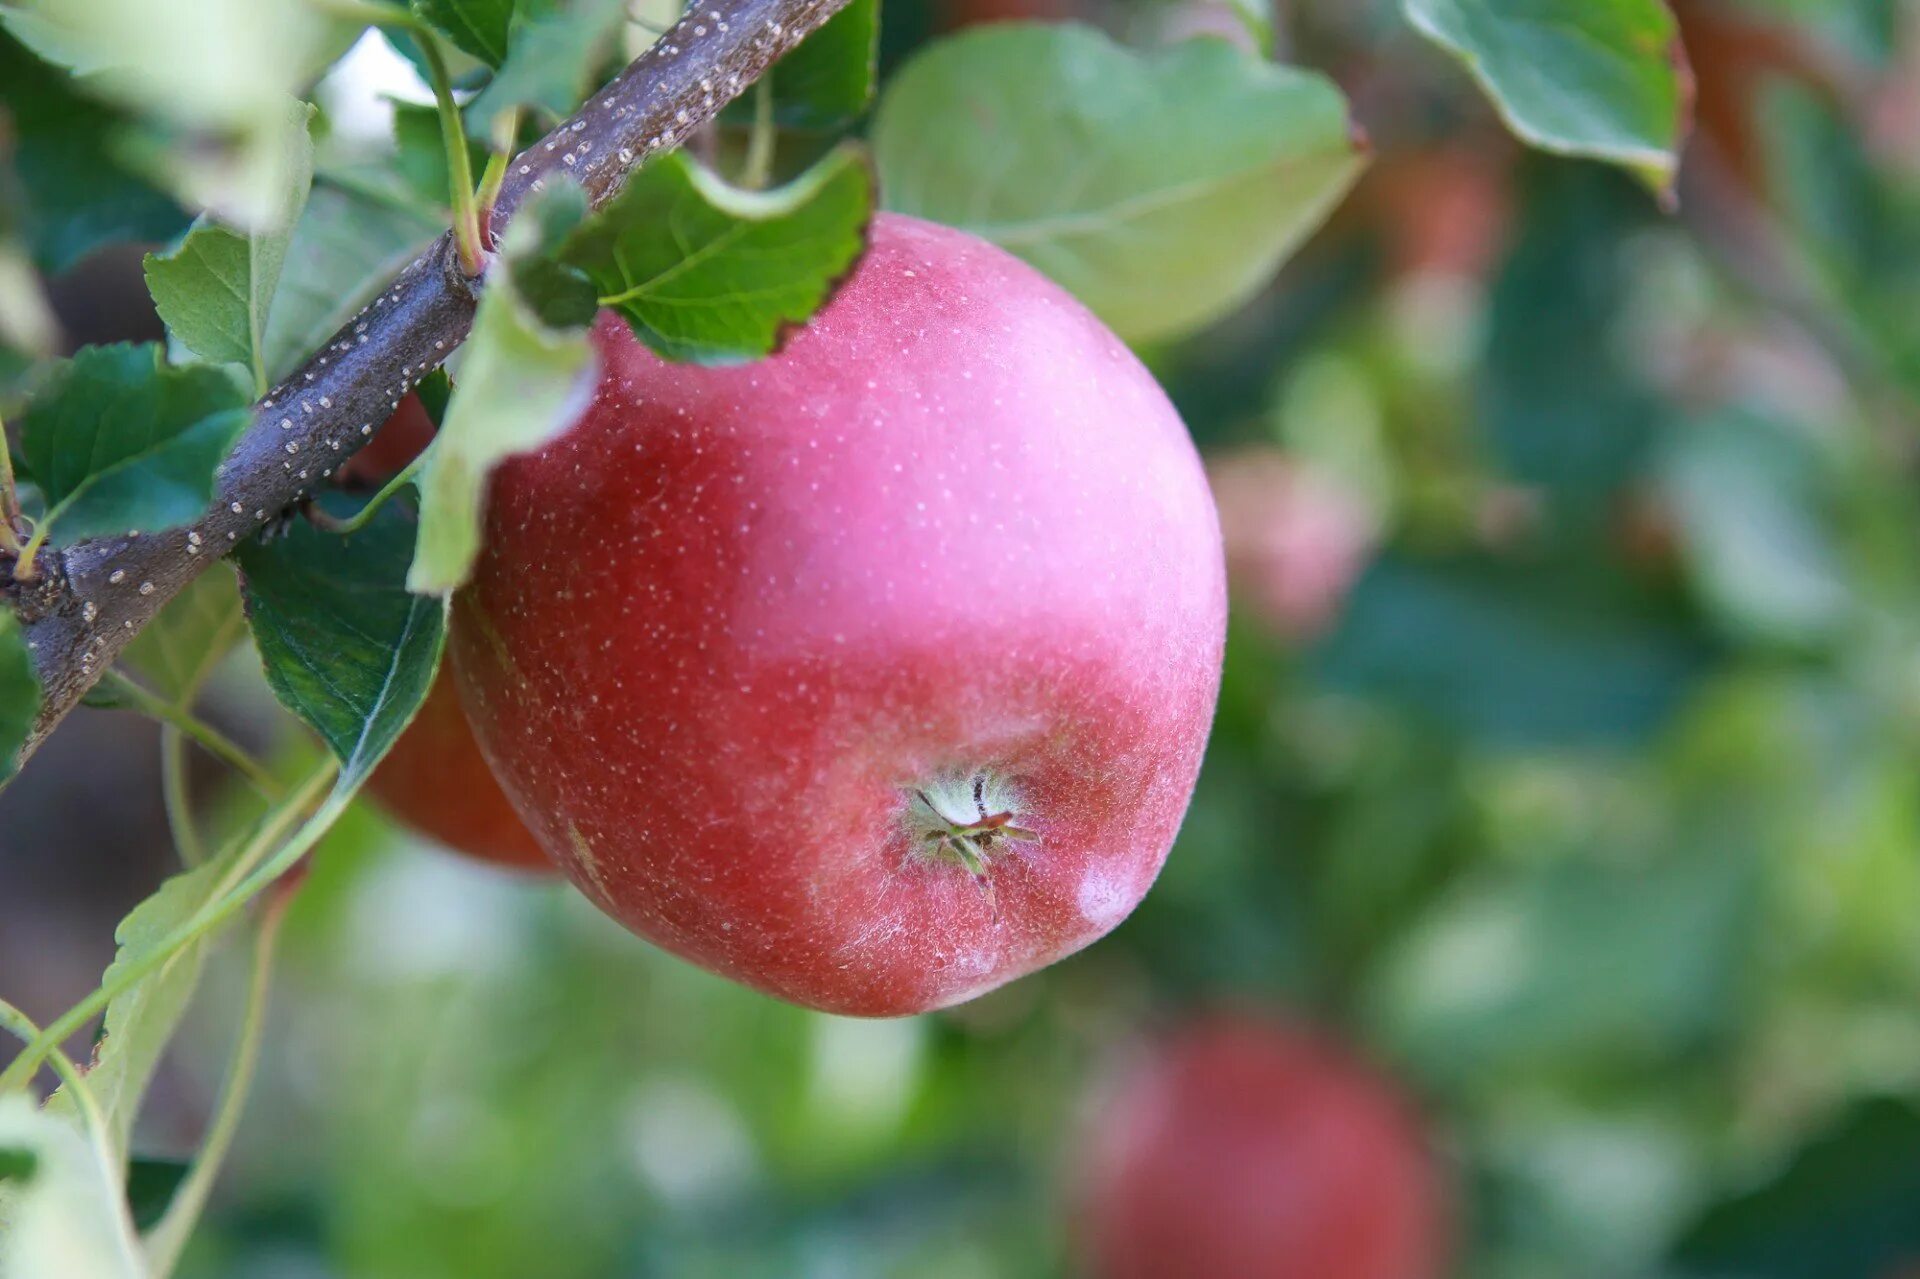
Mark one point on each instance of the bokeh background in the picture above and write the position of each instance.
(1567, 767)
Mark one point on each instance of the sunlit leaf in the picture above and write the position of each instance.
(141, 1022)
(59, 1201)
(1162, 189)
(218, 82)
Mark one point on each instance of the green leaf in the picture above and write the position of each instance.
(174, 653)
(705, 272)
(1848, 1205)
(141, 1022)
(206, 292)
(553, 52)
(478, 27)
(1163, 190)
(521, 384)
(1597, 78)
(19, 692)
(344, 249)
(117, 439)
(215, 290)
(345, 646)
(61, 1204)
(828, 81)
(80, 194)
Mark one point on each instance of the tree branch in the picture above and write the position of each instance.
(95, 596)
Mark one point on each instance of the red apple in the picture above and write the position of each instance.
(436, 782)
(1244, 1150)
(875, 674)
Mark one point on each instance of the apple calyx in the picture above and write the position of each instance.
(965, 818)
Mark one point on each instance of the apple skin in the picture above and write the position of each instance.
(1243, 1149)
(435, 782)
(745, 639)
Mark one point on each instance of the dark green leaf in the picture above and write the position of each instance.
(705, 272)
(117, 439)
(1566, 409)
(150, 1186)
(19, 692)
(17, 1164)
(345, 646)
(828, 81)
(1847, 1207)
(1517, 657)
(1599, 78)
(480, 27)
(553, 51)
(1163, 190)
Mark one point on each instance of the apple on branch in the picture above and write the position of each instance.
(874, 674)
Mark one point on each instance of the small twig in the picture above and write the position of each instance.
(9, 497)
(178, 800)
(262, 861)
(466, 213)
(495, 175)
(757, 170)
(169, 1238)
